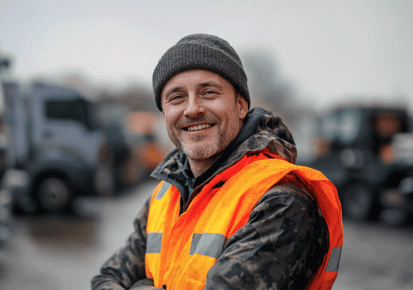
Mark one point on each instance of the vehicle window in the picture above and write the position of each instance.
(341, 126)
(73, 110)
(387, 125)
(328, 127)
(349, 126)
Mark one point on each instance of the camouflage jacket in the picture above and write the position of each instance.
(280, 247)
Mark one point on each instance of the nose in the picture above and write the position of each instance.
(194, 107)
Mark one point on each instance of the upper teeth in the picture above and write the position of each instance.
(199, 127)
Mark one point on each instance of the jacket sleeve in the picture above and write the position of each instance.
(281, 246)
(127, 265)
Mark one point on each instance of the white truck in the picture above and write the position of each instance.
(55, 151)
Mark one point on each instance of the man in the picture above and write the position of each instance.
(231, 211)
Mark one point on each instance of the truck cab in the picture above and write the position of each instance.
(354, 150)
(54, 147)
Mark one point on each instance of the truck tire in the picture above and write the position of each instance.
(54, 195)
(359, 201)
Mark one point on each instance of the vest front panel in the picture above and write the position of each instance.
(182, 249)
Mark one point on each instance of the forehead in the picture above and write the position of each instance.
(193, 78)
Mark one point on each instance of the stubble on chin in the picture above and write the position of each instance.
(198, 150)
(201, 151)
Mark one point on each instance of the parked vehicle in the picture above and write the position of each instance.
(398, 201)
(5, 214)
(6, 200)
(5, 195)
(356, 152)
(133, 142)
(54, 147)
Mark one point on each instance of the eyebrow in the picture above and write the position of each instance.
(173, 90)
(210, 84)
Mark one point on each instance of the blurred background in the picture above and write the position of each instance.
(80, 133)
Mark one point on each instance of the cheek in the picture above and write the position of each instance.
(170, 116)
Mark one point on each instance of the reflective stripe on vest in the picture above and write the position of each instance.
(207, 244)
(334, 260)
(162, 190)
(191, 243)
(153, 243)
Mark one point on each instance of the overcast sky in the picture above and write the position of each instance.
(331, 50)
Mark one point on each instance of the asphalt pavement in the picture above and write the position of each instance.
(65, 252)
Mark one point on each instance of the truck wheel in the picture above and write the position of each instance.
(359, 201)
(54, 194)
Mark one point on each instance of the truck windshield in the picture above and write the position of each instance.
(341, 126)
(74, 110)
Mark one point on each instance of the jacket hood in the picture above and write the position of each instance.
(261, 130)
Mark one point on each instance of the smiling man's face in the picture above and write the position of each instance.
(202, 113)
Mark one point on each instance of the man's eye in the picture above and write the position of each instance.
(210, 92)
(177, 97)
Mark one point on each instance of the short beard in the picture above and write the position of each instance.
(203, 153)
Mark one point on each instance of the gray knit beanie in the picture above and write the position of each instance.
(200, 51)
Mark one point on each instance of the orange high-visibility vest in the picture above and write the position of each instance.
(181, 249)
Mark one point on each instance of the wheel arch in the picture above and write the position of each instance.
(348, 198)
(49, 173)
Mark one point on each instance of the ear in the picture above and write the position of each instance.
(242, 106)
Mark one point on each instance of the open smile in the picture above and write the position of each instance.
(198, 127)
